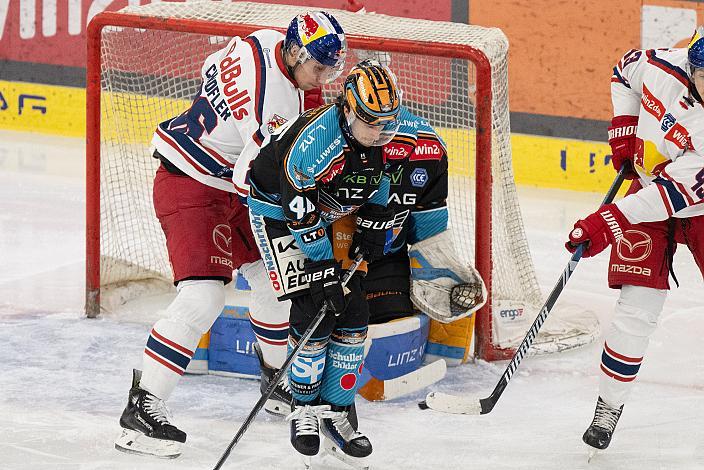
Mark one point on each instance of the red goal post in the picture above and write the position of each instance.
(143, 67)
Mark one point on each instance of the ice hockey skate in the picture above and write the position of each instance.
(145, 425)
(305, 429)
(342, 441)
(280, 401)
(598, 435)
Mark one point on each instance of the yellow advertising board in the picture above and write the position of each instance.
(546, 162)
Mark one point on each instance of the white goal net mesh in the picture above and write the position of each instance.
(149, 75)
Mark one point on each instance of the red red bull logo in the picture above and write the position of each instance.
(310, 29)
(274, 123)
(309, 26)
(640, 151)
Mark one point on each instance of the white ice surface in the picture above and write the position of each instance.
(64, 378)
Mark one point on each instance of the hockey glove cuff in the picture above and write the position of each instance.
(374, 233)
(324, 279)
(622, 139)
(599, 230)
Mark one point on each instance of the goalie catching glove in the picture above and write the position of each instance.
(442, 287)
(374, 233)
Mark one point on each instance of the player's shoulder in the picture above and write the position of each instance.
(315, 128)
(667, 58)
(408, 122)
(415, 138)
(666, 64)
(314, 140)
(428, 143)
(662, 58)
(259, 45)
(267, 38)
(321, 120)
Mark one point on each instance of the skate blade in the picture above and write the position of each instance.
(277, 408)
(360, 463)
(307, 461)
(133, 442)
(592, 454)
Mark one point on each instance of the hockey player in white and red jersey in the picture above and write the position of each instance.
(249, 88)
(658, 125)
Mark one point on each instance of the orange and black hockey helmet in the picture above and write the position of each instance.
(371, 93)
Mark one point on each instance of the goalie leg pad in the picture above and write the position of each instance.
(395, 351)
(173, 339)
(231, 350)
(635, 319)
(451, 341)
(441, 287)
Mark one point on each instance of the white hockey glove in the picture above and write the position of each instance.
(442, 287)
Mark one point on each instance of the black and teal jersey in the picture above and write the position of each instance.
(310, 175)
(418, 190)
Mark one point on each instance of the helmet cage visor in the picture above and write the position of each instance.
(372, 135)
(330, 73)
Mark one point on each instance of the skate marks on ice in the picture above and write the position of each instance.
(65, 379)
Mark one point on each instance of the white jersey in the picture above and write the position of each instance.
(246, 94)
(654, 85)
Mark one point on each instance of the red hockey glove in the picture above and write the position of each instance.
(599, 229)
(313, 99)
(622, 139)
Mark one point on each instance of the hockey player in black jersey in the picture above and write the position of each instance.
(322, 167)
(418, 196)
(423, 271)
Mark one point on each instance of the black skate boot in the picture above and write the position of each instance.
(342, 440)
(305, 429)
(599, 433)
(280, 401)
(145, 425)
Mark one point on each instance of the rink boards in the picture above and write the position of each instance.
(539, 161)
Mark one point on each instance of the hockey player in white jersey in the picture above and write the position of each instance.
(252, 86)
(658, 125)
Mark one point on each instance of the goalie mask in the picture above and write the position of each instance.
(442, 287)
(372, 102)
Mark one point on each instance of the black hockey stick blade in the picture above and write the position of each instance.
(284, 368)
(474, 405)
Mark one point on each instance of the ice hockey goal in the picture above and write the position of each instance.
(143, 67)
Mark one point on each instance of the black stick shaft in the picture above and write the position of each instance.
(284, 369)
(488, 403)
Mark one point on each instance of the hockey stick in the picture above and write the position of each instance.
(284, 368)
(479, 406)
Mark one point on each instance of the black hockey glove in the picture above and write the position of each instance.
(324, 278)
(374, 232)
